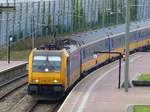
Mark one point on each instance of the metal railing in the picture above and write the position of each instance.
(120, 57)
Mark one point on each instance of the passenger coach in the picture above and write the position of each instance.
(53, 68)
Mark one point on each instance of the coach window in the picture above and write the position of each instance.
(91, 51)
(112, 44)
(88, 52)
(147, 33)
(84, 54)
(95, 48)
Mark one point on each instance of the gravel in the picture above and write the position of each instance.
(8, 102)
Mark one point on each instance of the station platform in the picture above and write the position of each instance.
(5, 66)
(99, 92)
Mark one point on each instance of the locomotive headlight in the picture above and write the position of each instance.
(36, 81)
(55, 81)
(46, 69)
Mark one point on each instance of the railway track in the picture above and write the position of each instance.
(12, 85)
(41, 106)
(12, 79)
(29, 104)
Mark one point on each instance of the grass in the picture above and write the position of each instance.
(142, 108)
(16, 55)
(21, 49)
(144, 77)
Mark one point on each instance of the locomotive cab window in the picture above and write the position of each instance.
(46, 64)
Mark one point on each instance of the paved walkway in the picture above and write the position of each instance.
(4, 64)
(99, 93)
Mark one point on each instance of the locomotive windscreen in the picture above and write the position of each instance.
(46, 63)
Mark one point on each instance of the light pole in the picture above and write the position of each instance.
(126, 81)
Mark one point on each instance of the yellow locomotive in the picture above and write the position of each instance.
(50, 72)
(55, 67)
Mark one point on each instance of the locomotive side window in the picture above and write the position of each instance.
(112, 44)
(118, 41)
(87, 52)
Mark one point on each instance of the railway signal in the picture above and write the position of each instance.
(10, 38)
(9, 41)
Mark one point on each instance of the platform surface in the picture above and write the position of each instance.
(99, 92)
(4, 64)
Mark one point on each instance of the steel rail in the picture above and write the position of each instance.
(12, 80)
(9, 91)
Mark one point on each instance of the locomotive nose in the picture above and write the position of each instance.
(46, 69)
(45, 78)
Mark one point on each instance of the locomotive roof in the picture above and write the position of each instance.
(84, 38)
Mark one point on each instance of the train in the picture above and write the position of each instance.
(55, 67)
